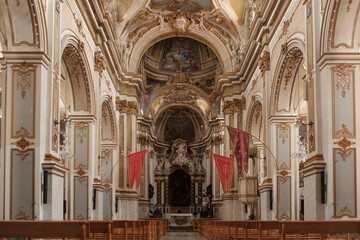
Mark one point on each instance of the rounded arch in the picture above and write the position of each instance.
(153, 36)
(108, 133)
(77, 66)
(26, 29)
(166, 120)
(336, 37)
(255, 117)
(286, 74)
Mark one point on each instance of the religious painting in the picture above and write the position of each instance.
(180, 55)
(145, 97)
(188, 6)
(206, 84)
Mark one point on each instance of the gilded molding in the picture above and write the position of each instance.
(22, 143)
(264, 62)
(283, 132)
(132, 108)
(100, 64)
(121, 105)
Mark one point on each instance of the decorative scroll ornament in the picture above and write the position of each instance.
(345, 211)
(104, 114)
(311, 139)
(24, 78)
(294, 57)
(344, 143)
(343, 77)
(82, 132)
(264, 62)
(179, 21)
(100, 64)
(283, 173)
(21, 215)
(283, 132)
(81, 171)
(23, 155)
(344, 131)
(179, 156)
(22, 143)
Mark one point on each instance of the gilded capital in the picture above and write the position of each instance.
(239, 104)
(228, 107)
(132, 108)
(121, 105)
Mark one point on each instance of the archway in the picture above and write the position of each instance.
(179, 189)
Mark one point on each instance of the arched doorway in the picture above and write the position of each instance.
(179, 189)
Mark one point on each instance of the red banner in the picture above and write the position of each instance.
(240, 140)
(225, 168)
(136, 162)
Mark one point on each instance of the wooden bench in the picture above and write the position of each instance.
(43, 229)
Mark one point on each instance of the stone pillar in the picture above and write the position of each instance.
(26, 126)
(312, 188)
(233, 110)
(266, 200)
(143, 144)
(127, 145)
(53, 208)
(313, 209)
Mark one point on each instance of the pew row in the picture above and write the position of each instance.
(106, 230)
(284, 230)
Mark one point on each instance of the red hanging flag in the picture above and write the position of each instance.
(240, 140)
(136, 162)
(225, 168)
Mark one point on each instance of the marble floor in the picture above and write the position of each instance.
(182, 236)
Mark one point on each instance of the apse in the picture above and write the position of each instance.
(179, 122)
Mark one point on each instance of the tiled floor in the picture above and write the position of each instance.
(182, 236)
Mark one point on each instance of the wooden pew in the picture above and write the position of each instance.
(320, 228)
(100, 229)
(43, 229)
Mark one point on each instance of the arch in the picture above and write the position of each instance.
(153, 36)
(255, 118)
(78, 73)
(27, 28)
(285, 76)
(336, 37)
(108, 133)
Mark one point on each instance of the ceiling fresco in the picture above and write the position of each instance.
(179, 60)
(188, 6)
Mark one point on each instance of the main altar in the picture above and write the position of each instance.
(180, 179)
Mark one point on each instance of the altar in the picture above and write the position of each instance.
(180, 219)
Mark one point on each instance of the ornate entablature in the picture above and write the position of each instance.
(181, 156)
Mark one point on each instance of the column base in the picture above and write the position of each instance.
(53, 209)
(128, 205)
(311, 170)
